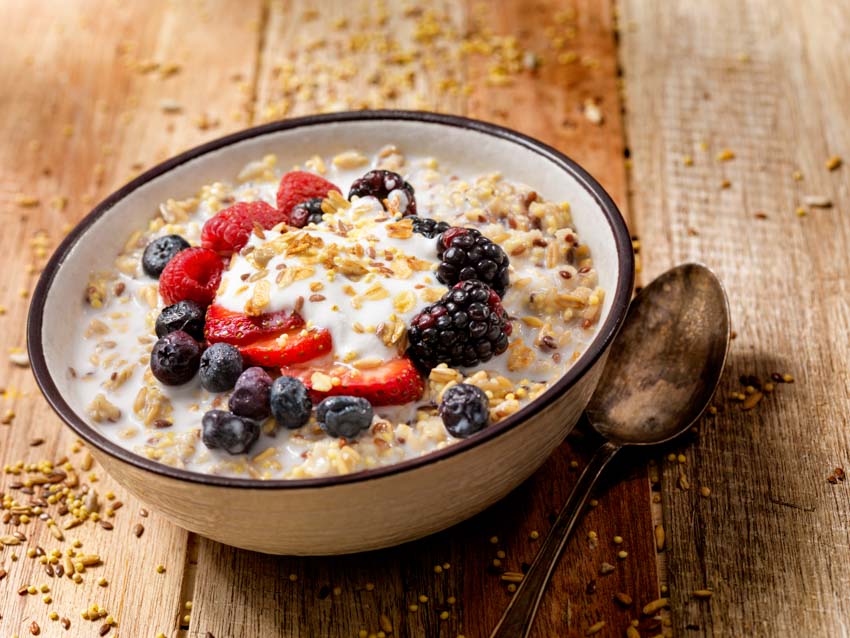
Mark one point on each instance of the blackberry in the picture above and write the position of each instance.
(467, 254)
(382, 185)
(160, 251)
(466, 327)
(307, 212)
(465, 410)
(429, 227)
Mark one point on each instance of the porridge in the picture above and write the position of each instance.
(347, 314)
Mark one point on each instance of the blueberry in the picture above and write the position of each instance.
(344, 416)
(229, 432)
(160, 251)
(290, 402)
(175, 358)
(250, 397)
(465, 410)
(183, 315)
(221, 365)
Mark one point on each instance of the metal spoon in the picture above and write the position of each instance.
(661, 373)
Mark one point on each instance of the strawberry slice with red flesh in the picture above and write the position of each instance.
(258, 338)
(238, 328)
(394, 382)
(298, 347)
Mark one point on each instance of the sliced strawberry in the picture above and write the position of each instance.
(299, 186)
(297, 348)
(395, 382)
(238, 329)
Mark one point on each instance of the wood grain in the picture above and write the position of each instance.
(78, 118)
(233, 585)
(93, 88)
(768, 81)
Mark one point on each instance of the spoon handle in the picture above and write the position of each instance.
(519, 615)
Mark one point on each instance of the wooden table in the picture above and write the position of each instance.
(728, 116)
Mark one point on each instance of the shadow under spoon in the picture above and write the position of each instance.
(660, 375)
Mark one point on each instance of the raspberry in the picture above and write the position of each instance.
(192, 274)
(382, 185)
(300, 186)
(466, 327)
(467, 254)
(229, 229)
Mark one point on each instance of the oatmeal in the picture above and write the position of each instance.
(350, 313)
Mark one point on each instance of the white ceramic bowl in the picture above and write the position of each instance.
(374, 508)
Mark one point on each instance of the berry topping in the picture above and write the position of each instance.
(160, 251)
(309, 212)
(395, 382)
(465, 410)
(228, 230)
(344, 416)
(250, 396)
(229, 432)
(300, 186)
(184, 315)
(383, 185)
(429, 227)
(175, 358)
(466, 254)
(193, 274)
(290, 402)
(298, 346)
(239, 329)
(221, 365)
(466, 327)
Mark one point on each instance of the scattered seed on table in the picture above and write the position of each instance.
(705, 491)
(654, 606)
(138, 530)
(104, 629)
(622, 554)
(35, 630)
(160, 569)
(833, 162)
(623, 599)
(606, 568)
(595, 628)
(702, 593)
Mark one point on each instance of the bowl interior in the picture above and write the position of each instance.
(466, 150)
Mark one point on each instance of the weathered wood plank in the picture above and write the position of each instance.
(240, 593)
(79, 117)
(768, 81)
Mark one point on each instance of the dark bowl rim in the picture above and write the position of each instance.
(604, 337)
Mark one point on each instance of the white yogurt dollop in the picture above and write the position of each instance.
(362, 268)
